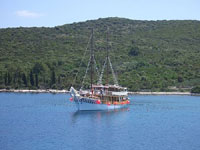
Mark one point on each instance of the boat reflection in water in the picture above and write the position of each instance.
(97, 115)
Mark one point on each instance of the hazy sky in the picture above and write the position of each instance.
(26, 13)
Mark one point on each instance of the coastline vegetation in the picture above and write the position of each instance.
(147, 55)
(195, 89)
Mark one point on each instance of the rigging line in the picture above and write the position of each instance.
(82, 60)
(95, 63)
(113, 73)
(88, 65)
(102, 71)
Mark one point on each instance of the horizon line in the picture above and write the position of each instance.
(82, 21)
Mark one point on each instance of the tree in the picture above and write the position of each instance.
(195, 89)
(1, 78)
(36, 80)
(6, 78)
(31, 78)
(180, 79)
(19, 79)
(37, 68)
(9, 78)
(53, 78)
(59, 80)
(24, 79)
(134, 51)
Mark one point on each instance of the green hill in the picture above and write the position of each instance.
(147, 55)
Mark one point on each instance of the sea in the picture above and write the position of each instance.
(48, 121)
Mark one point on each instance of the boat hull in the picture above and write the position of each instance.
(90, 106)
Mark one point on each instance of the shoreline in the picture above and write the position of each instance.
(66, 91)
(34, 91)
(161, 93)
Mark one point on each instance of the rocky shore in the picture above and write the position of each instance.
(160, 93)
(34, 91)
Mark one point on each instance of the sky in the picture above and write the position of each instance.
(50, 13)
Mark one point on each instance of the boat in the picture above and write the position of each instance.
(100, 96)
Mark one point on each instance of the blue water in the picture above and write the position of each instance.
(50, 122)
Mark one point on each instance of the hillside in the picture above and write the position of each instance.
(147, 55)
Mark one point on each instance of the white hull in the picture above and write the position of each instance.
(88, 106)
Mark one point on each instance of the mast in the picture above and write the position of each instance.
(107, 57)
(92, 61)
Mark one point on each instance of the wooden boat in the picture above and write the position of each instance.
(99, 96)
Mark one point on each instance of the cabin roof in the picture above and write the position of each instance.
(108, 86)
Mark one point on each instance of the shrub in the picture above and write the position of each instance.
(195, 89)
(134, 51)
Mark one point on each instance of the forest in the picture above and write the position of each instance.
(146, 55)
